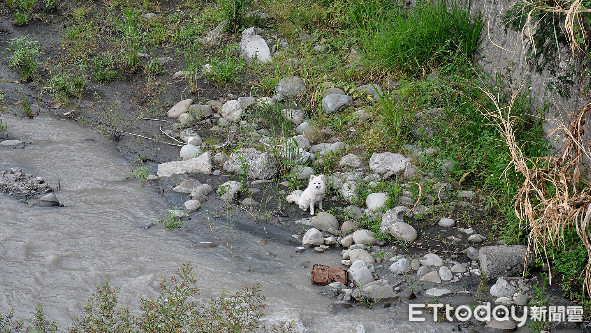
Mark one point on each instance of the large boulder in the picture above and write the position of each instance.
(258, 164)
(502, 260)
(388, 164)
(254, 47)
(200, 164)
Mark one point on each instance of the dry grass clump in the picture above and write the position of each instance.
(553, 195)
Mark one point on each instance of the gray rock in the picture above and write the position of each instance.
(325, 148)
(458, 268)
(400, 267)
(47, 200)
(431, 259)
(501, 326)
(354, 212)
(301, 141)
(349, 191)
(423, 270)
(437, 292)
(350, 160)
(392, 216)
(331, 91)
(476, 238)
(360, 274)
(201, 164)
(186, 118)
(254, 47)
(246, 101)
(446, 222)
(10, 143)
(348, 226)
(502, 288)
(325, 222)
(303, 127)
(503, 300)
(200, 111)
(259, 165)
(369, 89)
(229, 190)
(375, 201)
(191, 205)
(189, 136)
(347, 241)
(189, 151)
(231, 110)
(290, 86)
(445, 273)
(359, 254)
(364, 236)
(415, 264)
(502, 260)
(404, 232)
(375, 291)
(302, 172)
(334, 102)
(331, 240)
(295, 116)
(186, 186)
(387, 164)
(472, 253)
(313, 237)
(179, 108)
(220, 158)
(431, 277)
(203, 189)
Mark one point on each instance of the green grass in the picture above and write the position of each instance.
(226, 70)
(171, 221)
(431, 35)
(25, 54)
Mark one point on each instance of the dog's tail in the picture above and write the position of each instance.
(294, 197)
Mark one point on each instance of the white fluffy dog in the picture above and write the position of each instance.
(311, 196)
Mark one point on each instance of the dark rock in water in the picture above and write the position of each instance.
(22, 186)
(323, 275)
(48, 200)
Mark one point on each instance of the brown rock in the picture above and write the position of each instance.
(323, 275)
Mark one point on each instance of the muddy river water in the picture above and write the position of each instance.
(57, 256)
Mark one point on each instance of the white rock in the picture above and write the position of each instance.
(179, 108)
(402, 266)
(191, 205)
(350, 160)
(364, 236)
(446, 222)
(437, 292)
(232, 110)
(387, 164)
(445, 273)
(189, 151)
(360, 274)
(404, 232)
(375, 201)
(201, 164)
(431, 259)
(431, 277)
(254, 47)
(313, 237)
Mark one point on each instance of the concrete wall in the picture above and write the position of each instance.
(503, 54)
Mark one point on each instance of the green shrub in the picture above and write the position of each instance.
(25, 53)
(227, 70)
(432, 34)
(66, 84)
(234, 13)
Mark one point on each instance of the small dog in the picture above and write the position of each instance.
(311, 196)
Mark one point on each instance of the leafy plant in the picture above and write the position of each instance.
(66, 84)
(25, 53)
(224, 71)
(171, 221)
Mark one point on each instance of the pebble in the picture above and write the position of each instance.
(431, 259)
(431, 277)
(476, 238)
(446, 222)
(437, 292)
(445, 273)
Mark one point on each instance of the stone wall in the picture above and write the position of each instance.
(502, 53)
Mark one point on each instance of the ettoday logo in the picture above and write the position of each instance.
(486, 313)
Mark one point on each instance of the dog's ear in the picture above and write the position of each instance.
(322, 177)
(312, 177)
